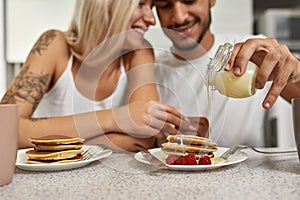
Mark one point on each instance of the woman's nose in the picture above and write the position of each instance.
(149, 16)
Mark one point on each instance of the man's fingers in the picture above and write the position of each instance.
(270, 99)
(243, 52)
(278, 85)
(268, 67)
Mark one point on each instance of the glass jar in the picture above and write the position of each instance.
(225, 81)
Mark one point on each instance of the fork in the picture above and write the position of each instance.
(93, 151)
(237, 148)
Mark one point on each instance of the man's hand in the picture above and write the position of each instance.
(275, 61)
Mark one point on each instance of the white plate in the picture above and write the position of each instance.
(234, 159)
(21, 162)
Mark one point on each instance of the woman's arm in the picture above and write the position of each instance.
(42, 68)
(144, 116)
(142, 92)
(44, 65)
(37, 75)
(142, 87)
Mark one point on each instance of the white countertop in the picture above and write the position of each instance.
(120, 176)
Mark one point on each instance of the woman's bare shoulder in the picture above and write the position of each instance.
(49, 54)
(140, 56)
(49, 51)
(50, 41)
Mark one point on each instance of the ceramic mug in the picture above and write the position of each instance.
(296, 122)
(9, 132)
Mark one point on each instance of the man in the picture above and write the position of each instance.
(181, 72)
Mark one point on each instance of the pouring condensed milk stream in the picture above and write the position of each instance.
(225, 81)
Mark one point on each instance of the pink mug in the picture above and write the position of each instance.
(296, 122)
(9, 132)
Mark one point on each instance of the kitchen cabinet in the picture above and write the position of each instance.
(260, 6)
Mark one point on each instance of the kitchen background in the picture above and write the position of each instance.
(22, 21)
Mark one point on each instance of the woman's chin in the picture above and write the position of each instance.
(134, 44)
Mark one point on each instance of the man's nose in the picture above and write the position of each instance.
(179, 13)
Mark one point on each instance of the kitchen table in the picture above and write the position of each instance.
(120, 176)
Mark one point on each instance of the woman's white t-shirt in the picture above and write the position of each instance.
(64, 98)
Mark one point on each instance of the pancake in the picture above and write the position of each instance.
(56, 140)
(191, 139)
(55, 149)
(75, 159)
(181, 145)
(52, 155)
(188, 148)
(60, 147)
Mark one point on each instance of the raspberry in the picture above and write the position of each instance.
(204, 160)
(171, 159)
(189, 159)
(192, 159)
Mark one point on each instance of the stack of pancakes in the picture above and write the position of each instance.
(181, 145)
(55, 149)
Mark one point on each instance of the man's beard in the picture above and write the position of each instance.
(195, 43)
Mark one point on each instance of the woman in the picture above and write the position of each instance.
(75, 83)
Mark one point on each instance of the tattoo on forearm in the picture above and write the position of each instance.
(28, 87)
(43, 42)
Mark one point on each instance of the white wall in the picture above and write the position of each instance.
(27, 19)
(233, 16)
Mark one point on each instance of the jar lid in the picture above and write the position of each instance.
(221, 57)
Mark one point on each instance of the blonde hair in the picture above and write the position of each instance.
(95, 21)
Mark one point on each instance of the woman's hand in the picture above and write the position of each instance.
(146, 119)
(200, 123)
(276, 63)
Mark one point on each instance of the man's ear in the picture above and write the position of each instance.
(212, 3)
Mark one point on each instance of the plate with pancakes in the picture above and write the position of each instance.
(179, 146)
(55, 153)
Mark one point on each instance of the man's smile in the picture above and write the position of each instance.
(186, 28)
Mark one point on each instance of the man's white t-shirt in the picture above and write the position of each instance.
(182, 85)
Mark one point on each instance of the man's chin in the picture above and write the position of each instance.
(183, 43)
(185, 46)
